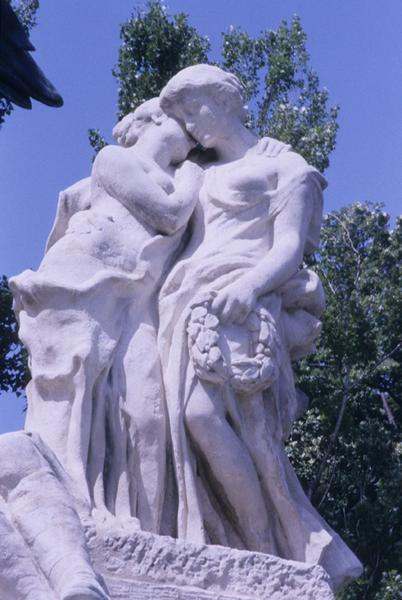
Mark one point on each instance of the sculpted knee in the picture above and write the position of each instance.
(13, 445)
(198, 420)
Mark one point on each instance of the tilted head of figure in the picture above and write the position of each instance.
(207, 100)
(127, 131)
(150, 121)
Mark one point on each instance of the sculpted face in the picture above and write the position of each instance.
(205, 118)
(150, 122)
(174, 135)
(207, 100)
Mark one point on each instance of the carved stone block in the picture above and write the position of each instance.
(146, 566)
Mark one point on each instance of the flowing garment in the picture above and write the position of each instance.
(88, 320)
(230, 238)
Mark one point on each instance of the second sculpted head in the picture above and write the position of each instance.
(207, 100)
(150, 123)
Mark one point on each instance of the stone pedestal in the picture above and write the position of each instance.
(143, 566)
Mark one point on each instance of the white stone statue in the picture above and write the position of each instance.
(234, 311)
(161, 326)
(88, 317)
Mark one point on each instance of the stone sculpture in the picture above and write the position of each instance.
(161, 326)
(88, 318)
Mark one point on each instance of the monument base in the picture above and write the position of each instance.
(143, 566)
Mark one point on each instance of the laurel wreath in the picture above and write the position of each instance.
(248, 374)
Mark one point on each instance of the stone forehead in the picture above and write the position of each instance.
(201, 76)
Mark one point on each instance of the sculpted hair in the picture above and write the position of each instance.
(151, 108)
(203, 78)
(150, 111)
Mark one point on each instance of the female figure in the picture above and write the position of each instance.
(87, 318)
(233, 312)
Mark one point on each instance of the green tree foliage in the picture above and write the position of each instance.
(13, 360)
(391, 586)
(154, 48)
(282, 90)
(26, 12)
(97, 141)
(348, 447)
(285, 99)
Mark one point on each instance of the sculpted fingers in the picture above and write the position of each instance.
(240, 311)
(275, 147)
(232, 305)
(224, 305)
(121, 131)
(230, 308)
(218, 303)
(131, 138)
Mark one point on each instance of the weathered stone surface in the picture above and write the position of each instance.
(161, 326)
(146, 566)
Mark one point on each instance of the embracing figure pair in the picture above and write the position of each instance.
(162, 323)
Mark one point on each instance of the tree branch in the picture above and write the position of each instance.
(348, 387)
(352, 246)
(390, 416)
(332, 439)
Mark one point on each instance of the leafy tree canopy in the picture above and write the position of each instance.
(282, 90)
(348, 447)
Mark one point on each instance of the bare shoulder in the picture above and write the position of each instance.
(113, 161)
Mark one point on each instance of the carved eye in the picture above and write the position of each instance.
(193, 107)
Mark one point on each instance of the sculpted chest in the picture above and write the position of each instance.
(244, 186)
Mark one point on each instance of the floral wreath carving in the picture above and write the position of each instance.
(246, 374)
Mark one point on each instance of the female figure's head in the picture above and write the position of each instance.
(207, 100)
(150, 124)
(128, 130)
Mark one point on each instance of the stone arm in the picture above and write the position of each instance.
(285, 256)
(164, 205)
(290, 229)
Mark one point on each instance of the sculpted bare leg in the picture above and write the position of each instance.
(229, 461)
(19, 576)
(43, 512)
(146, 414)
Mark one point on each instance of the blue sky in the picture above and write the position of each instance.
(355, 46)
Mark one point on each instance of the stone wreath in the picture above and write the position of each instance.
(209, 347)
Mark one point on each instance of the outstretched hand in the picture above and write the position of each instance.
(234, 303)
(122, 131)
(275, 147)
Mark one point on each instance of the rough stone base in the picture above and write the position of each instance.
(143, 566)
